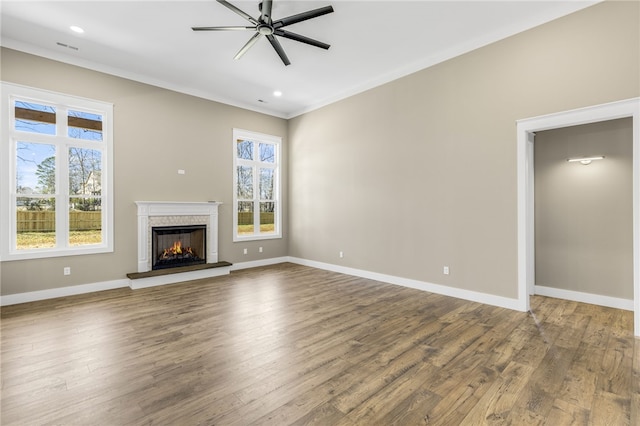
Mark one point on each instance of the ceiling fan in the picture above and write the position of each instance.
(264, 25)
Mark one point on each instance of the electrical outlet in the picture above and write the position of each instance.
(66, 270)
(445, 270)
(341, 254)
(244, 251)
(260, 249)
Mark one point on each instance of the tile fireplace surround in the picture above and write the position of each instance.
(174, 213)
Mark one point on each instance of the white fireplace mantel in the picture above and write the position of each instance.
(147, 209)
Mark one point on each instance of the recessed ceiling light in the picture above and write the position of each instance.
(277, 93)
(76, 29)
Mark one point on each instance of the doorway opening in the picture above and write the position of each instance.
(526, 229)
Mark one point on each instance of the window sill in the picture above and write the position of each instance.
(46, 253)
(237, 239)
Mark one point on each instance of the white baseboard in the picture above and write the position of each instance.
(577, 296)
(257, 263)
(32, 296)
(473, 296)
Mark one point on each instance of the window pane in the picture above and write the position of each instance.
(267, 153)
(245, 149)
(35, 223)
(35, 118)
(35, 168)
(245, 218)
(84, 125)
(245, 182)
(266, 184)
(267, 218)
(85, 221)
(85, 171)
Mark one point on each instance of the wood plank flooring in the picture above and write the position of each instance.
(292, 345)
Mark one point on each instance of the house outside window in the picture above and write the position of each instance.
(56, 189)
(256, 182)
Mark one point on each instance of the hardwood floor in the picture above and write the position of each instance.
(288, 344)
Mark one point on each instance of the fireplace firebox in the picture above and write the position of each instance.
(175, 246)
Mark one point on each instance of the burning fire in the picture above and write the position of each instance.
(175, 250)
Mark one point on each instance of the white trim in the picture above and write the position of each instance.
(139, 283)
(473, 296)
(130, 75)
(258, 263)
(451, 52)
(593, 114)
(578, 296)
(33, 296)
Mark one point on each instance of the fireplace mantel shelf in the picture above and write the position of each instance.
(176, 208)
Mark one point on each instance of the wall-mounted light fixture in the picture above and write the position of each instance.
(586, 160)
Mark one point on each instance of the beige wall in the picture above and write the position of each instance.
(421, 172)
(583, 213)
(156, 133)
(404, 179)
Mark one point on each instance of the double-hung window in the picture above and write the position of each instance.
(56, 189)
(256, 199)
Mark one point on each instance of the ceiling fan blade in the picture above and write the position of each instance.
(238, 11)
(301, 38)
(247, 46)
(222, 28)
(294, 19)
(278, 48)
(265, 8)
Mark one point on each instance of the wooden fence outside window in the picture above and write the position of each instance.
(45, 221)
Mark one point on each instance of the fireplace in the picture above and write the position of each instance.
(169, 229)
(182, 214)
(175, 246)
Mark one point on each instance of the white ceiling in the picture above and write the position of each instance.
(372, 42)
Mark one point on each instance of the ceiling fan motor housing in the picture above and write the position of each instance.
(265, 29)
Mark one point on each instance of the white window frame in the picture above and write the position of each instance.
(8, 194)
(239, 134)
